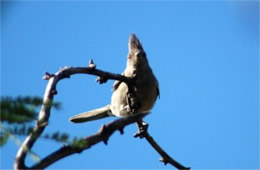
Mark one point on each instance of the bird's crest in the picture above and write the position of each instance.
(134, 43)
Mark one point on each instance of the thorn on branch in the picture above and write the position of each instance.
(54, 91)
(103, 132)
(102, 129)
(105, 141)
(91, 64)
(121, 130)
(101, 80)
(163, 161)
(47, 76)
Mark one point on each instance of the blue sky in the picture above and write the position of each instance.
(204, 54)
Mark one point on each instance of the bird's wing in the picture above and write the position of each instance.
(117, 83)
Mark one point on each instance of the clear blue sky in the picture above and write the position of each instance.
(204, 54)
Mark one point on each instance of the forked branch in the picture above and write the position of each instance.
(103, 135)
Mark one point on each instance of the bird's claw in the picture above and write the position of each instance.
(142, 130)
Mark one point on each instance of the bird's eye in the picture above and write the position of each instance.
(140, 54)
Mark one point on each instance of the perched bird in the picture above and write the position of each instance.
(142, 98)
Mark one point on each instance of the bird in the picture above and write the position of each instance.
(126, 102)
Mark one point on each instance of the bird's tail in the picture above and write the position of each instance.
(92, 115)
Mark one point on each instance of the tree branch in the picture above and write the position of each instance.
(165, 157)
(104, 133)
(50, 91)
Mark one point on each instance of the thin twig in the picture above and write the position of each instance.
(165, 157)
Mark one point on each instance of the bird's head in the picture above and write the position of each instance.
(136, 55)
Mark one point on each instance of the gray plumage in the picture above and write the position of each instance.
(146, 89)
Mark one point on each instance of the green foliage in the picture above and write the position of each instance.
(17, 110)
(57, 136)
(17, 116)
(3, 138)
(25, 130)
(21, 109)
(79, 143)
(18, 113)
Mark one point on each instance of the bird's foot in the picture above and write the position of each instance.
(142, 130)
